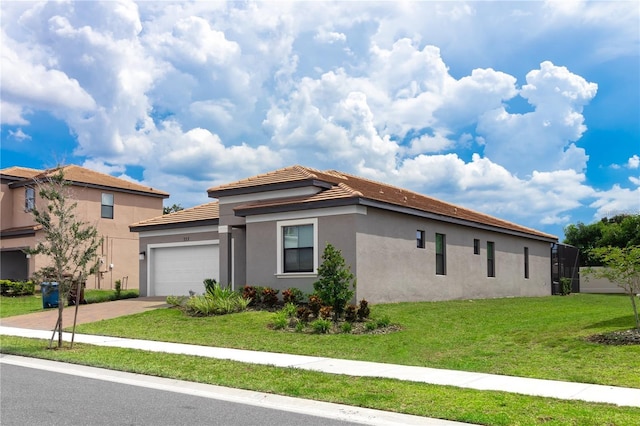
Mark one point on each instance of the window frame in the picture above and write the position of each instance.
(476, 246)
(280, 258)
(106, 207)
(421, 239)
(441, 257)
(526, 263)
(491, 259)
(29, 198)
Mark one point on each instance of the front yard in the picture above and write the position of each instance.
(531, 337)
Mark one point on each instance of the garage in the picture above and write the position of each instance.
(177, 269)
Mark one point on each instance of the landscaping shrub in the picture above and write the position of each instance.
(383, 322)
(216, 301)
(118, 288)
(280, 321)
(293, 295)
(326, 312)
(176, 301)
(346, 327)
(269, 296)
(250, 293)
(315, 303)
(363, 310)
(17, 288)
(565, 286)
(336, 284)
(303, 313)
(321, 326)
(289, 309)
(351, 313)
(209, 285)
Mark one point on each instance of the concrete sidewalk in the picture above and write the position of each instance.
(481, 381)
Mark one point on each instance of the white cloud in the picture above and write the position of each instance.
(330, 37)
(19, 135)
(617, 200)
(12, 114)
(633, 162)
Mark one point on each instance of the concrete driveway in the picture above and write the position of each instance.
(46, 320)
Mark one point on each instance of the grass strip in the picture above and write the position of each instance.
(527, 337)
(444, 402)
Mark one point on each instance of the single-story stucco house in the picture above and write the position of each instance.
(271, 229)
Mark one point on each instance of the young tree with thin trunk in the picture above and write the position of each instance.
(622, 267)
(70, 244)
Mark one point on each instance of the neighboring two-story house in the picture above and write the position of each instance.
(109, 203)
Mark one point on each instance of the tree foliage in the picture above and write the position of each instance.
(622, 267)
(70, 244)
(619, 231)
(172, 209)
(336, 282)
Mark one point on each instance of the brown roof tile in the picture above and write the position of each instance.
(208, 211)
(349, 186)
(81, 175)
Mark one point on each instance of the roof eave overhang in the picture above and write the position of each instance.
(18, 233)
(28, 182)
(456, 221)
(270, 187)
(176, 225)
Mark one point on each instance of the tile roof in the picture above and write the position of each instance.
(80, 175)
(204, 212)
(346, 186)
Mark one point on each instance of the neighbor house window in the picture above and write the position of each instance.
(420, 239)
(491, 259)
(106, 209)
(441, 260)
(476, 246)
(29, 199)
(526, 262)
(297, 246)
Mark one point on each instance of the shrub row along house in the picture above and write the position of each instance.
(271, 229)
(109, 203)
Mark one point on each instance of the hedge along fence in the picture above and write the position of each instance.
(17, 288)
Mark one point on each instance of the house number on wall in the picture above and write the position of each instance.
(185, 238)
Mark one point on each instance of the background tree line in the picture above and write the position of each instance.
(621, 231)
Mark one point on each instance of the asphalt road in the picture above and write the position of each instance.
(31, 396)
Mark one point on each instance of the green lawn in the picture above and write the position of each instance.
(529, 337)
(445, 402)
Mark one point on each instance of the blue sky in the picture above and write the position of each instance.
(529, 111)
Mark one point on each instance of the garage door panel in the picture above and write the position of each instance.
(179, 269)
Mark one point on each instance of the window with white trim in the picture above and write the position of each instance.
(297, 246)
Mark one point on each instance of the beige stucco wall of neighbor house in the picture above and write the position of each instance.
(261, 247)
(175, 236)
(390, 268)
(596, 285)
(119, 247)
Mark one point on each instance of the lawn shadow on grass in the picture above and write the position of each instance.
(621, 322)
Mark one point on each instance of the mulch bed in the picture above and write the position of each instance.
(623, 337)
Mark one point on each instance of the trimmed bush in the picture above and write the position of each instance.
(17, 288)
(293, 295)
(321, 326)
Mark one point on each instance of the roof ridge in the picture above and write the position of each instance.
(350, 190)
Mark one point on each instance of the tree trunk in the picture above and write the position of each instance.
(75, 315)
(632, 296)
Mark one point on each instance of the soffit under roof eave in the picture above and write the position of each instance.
(269, 187)
(456, 221)
(27, 182)
(175, 225)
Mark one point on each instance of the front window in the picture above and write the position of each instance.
(441, 261)
(526, 262)
(476, 246)
(298, 248)
(106, 209)
(29, 199)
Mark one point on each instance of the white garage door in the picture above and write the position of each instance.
(176, 270)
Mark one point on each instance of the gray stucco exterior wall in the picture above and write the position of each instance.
(390, 267)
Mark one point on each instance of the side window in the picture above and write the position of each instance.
(297, 244)
(491, 260)
(420, 239)
(476, 246)
(29, 199)
(106, 209)
(441, 260)
(526, 262)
